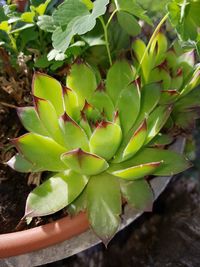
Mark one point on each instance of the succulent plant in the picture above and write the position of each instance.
(177, 73)
(96, 138)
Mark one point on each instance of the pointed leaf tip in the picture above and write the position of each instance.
(136, 141)
(105, 140)
(137, 172)
(84, 162)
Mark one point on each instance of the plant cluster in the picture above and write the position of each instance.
(105, 133)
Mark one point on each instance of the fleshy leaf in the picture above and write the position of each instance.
(168, 96)
(161, 140)
(50, 89)
(105, 140)
(128, 106)
(20, 164)
(103, 103)
(78, 205)
(172, 162)
(136, 141)
(73, 135)
(55, 193)
(84, 162)
(104, 205)
(31, 121)
(138, 194)
(72, 107)
(118, 77)
(136, 172)
(143, 59)
(150, 96)
(156, 121)
(43, 151)
(49, 119)
(158, 48)
(82, 80)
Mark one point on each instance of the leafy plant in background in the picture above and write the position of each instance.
(184, 15)
(21, 37)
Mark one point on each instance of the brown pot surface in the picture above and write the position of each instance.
(20, 4)
(22, 242)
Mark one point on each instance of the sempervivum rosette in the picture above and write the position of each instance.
(97, 138)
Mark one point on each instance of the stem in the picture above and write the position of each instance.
(151, 40)
(110, 18)
(106, 40)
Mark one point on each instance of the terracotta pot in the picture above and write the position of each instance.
(46, 243)
(21, 4)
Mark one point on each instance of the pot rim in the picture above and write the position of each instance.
(40, 237)
(22, 242)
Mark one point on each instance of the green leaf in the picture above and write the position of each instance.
(31, 121)
(4, 26)
(46, 23)
(40, 150)
(84, 162)
(161, 140)
(79, 21)
(55, 193)
(128, 106)
(74, 136)
(138, 194)
(128, 23)
(50, 89)
(82, 80)
(118, 77)
(158, 48)
(42, 62)
(134, 8)
(105, 140)
(104, 205)
(136, 141)
(136, 172)
(20, 164)
(149, 98)
(85, 126)
(28, 17)
(71, 103)
(103, 103)
(78, 205)
(69, 10)
(42, 7)
(168, 96)
(157, 120)
(184, 16)
(49, 119)
(142, 58)
(172, 162)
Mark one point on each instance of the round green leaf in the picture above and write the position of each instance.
(128, 23)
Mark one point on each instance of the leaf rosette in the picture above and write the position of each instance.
(96, 139)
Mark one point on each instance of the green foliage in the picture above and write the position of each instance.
(93, 152)
(184, 16)
(102, 137)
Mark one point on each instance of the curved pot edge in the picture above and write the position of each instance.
(23, 242)
(17, 243)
